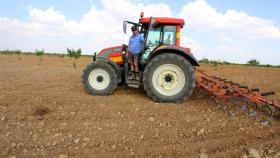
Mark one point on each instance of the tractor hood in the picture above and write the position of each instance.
(113, 53)
(107, 51)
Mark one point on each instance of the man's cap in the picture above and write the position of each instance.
(134, 28)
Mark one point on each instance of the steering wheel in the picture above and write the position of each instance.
(150, 44)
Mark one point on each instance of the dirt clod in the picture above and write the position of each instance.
(41, 111)
(202, 155)
(254, 153)
(63, 156)
(3, 118)
(151, 119)
(13, 145)
(76, 141)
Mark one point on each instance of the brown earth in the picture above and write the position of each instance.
(45, 112)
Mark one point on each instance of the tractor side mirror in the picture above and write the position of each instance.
(124, 27)
(153, 24)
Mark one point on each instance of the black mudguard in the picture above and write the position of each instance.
(176, 50)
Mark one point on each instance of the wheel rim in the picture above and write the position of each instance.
(168, 79)
(99, 79)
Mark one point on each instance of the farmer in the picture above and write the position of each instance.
(134, 47)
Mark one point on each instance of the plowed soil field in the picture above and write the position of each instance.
(45, 112)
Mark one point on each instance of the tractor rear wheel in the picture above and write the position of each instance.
(99, 78)
(169, 77)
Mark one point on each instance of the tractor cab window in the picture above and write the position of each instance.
(154, 37)
(153, 40)
(161, 35)
(169, 35)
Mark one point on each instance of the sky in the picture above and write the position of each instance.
(235, 31)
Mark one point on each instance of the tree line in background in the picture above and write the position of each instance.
(251, 62)
(76, 54)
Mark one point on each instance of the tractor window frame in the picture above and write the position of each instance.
(173, 31)
(157, 29)
(162, 28)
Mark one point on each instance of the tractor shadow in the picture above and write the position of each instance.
(124, 89)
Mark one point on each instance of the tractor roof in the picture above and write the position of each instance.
(164, 20)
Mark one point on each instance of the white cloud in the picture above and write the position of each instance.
(49, 16)
(102, 27)
(206, 18)
(98, 28)
(191, 43)
(231, 35)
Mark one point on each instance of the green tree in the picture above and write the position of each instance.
(61, 55)
(74, 54)
(40, 53)
(253, 62)
(18, 52)
(204, 60)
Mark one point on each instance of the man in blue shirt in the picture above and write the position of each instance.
(136, 42)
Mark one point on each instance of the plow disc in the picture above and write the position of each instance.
(238, 97)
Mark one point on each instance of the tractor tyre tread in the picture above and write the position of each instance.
(175, 59)
(112, 74)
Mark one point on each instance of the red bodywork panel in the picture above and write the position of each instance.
(163, 20)
(107, 49)
(113, 53)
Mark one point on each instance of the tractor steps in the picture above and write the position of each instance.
(133, 83)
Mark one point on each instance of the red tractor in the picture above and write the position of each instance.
(168, 71)
(166, 68)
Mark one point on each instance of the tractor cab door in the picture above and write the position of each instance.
(152, 41)
(162, 35)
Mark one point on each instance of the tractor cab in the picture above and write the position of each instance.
(157, 32)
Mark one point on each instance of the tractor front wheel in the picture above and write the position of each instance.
(99, 78)
(169, 77)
